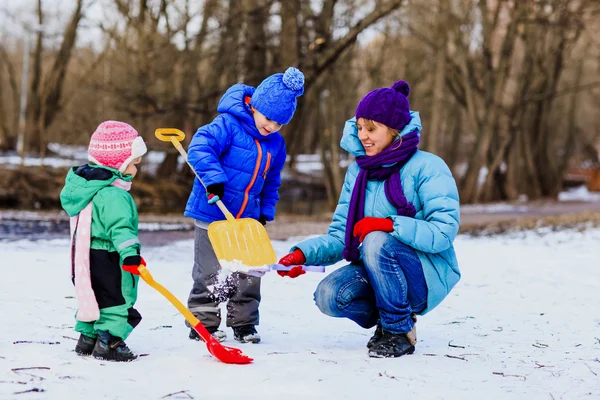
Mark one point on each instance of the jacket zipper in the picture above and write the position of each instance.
(256, 169)
(267, 166)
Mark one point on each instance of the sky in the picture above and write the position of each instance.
(16, 14)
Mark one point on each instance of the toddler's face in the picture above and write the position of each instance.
(264, 125)
(132, 167)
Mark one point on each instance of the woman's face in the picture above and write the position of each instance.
(376, 139)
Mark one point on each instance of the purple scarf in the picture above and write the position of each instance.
(372, 168)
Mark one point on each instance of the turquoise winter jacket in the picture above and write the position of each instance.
(429, 185)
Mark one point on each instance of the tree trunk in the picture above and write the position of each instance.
(4, 120)
(439, 89)
(255, 60)
(31, 141)
(289, 38)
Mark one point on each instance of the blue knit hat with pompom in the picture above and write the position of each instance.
(275, 97)
(388, 106)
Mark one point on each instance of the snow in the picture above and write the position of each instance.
(580, 193)
(523, 323)
(493, 208)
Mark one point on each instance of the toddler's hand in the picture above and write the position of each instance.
(132, 263)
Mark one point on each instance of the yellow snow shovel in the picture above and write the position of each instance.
(243, 240)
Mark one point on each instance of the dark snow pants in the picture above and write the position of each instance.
(240, 291)
(116, 293)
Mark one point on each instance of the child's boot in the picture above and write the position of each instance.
(85, 345)
(215, 332)
(246, 334)
(111, 348)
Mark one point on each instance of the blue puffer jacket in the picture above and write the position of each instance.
(230, 150)
(429, 185)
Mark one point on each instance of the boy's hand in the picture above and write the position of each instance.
(215, 192)
(370, 224)
(263, 220)
(132, 263)
(296, 258)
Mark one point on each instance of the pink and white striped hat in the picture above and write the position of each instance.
(115, 144)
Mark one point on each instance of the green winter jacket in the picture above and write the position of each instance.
(114, 213)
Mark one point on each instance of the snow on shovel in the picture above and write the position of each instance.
(243, 239)
(226, 354)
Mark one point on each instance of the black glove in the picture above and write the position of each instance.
(263, 220)
(217, 189)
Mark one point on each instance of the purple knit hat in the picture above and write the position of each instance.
(388, 106)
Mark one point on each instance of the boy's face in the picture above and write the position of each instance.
(132, 167)
(264, 125)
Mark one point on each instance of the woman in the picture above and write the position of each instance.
(395, 222)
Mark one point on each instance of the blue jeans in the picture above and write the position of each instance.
(388, 285)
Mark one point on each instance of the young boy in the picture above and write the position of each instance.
(239, 157)
(105, 249)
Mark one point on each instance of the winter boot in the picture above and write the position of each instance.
(376, 336)
(215, 332)
(85, 345)
(246, 334)
(394, 345)
(111, 348)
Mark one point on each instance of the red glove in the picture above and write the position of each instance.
(132, 263)
(296, 258)
(370, 224)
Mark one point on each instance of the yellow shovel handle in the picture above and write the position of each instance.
(176, 142)
(147, 277)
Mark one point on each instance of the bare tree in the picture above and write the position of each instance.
(255, 62)
(45, 98)
(8, 125)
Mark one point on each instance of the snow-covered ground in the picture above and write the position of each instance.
(580, 193)
(523, 323)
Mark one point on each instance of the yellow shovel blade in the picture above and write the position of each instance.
(243, 239)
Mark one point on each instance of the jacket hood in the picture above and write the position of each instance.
(352, 144)
(82, 184)
(233, 103)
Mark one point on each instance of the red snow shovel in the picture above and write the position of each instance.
(228, 355)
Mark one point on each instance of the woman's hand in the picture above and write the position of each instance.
(296, 258)
(370, 224)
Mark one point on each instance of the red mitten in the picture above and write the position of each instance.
(370, 224)
(292, 273)
(132, 263)
(296, 258)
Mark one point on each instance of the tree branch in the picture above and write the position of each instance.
(330, 55)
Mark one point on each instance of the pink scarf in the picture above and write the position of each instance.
(81, 224)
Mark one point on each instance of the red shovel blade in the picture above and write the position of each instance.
(228, 355)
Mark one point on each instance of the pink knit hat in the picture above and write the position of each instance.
(115, 144)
